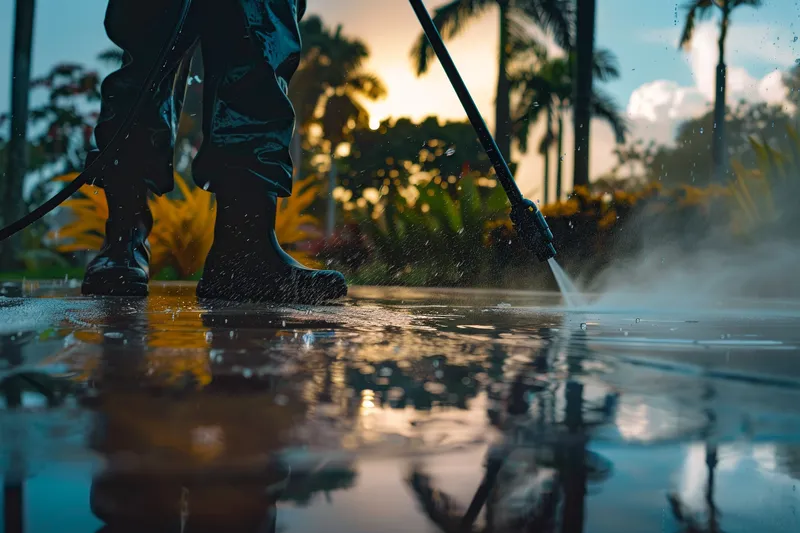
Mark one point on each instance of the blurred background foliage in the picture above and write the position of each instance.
(416, 203)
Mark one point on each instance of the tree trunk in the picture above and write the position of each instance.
(18, 143)
(583, 89)
(296, 150)
(548, 136)
(13, 506)
(718, 149)
(502, 116)
(574, 471)
(560, 162)
(330, 219)
(711, 466)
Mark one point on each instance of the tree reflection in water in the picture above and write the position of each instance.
(189, 425)
(688, 522)
(543, 464)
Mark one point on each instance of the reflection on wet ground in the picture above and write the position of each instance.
(398, 410)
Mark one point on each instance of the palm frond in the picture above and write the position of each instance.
(114, 57)
(605, 107)
(555, 17)
(605, 65)
(450, 19)
(524, 51)
(439, 507)
(368, 85)
(695, 10)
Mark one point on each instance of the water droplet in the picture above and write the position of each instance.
(584, 326)
(638, 320)
(450, 151)
(116, 162)
(625, 333)
(795, 39)
(209, 336)
(113, 335)
(701, 131)
(308, 339)
(247, 373)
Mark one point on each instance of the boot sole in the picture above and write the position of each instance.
(132, 289)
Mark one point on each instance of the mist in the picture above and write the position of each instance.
(707, 270)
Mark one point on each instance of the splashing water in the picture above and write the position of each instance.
(572, 296)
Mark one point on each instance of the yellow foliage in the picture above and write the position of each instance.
(608, 220)
(755, 190)
(561, 209)
(752, 194)
(183, 228)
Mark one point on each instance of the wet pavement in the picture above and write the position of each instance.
(390, 411)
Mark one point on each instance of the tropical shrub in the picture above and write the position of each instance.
(765, 197)
(433, 232)
(183, 228)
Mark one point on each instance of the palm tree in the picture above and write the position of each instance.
(549, 89)
(328, 88)
(699, 10)
(553, 16)
(583, 88)
(18, 143)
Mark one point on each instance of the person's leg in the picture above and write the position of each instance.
(251, 51)
(140, 29)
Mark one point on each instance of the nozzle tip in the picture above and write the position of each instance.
(548, 251)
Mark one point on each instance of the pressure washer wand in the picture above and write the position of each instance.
(528, 220)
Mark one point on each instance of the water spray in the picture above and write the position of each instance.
(528, 221)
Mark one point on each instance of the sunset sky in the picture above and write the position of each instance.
(659, 87)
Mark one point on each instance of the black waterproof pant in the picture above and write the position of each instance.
(251, 49)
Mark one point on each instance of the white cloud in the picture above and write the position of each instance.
(656, 107)
(665, 100)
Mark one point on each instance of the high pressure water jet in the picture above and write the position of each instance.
(572, 296)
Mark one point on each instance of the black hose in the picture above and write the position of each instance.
(155, 76)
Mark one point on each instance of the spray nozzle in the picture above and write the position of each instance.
(533, 229)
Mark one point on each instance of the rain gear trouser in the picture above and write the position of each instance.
(250, 48)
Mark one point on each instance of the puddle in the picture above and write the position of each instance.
(385, 413)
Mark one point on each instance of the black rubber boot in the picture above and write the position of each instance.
(247, 264)
(122, 268)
